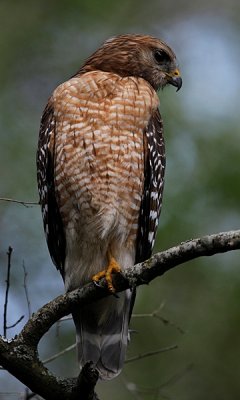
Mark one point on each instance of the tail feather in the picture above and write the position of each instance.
(102, 333)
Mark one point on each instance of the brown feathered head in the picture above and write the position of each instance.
(137, 55)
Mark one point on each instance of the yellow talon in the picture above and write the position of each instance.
(112, 267)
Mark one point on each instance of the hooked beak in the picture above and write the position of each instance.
(175, 79)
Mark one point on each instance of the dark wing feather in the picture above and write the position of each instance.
(154, 154)
(52, 221)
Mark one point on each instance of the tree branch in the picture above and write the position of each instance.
(23, 203)
(150, 353)
(20, 357)
(9, 255)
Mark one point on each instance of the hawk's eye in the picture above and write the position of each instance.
(161, 57)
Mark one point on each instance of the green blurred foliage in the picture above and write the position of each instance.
(44, 43)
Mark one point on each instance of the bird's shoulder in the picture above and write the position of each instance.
(98, 86)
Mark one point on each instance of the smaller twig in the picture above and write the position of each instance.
(15, 323)
(150, 353)
(26, 290)
(177, 376)
(155, 314)
(9, 254)
(167, 322)
(152, 314)
(24, 203)
(59, 354)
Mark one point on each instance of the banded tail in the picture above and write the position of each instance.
(102, 333)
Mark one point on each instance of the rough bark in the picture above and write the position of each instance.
(20, 355)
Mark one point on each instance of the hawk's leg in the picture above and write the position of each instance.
(112, 267)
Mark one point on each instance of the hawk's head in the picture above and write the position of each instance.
(139, 56)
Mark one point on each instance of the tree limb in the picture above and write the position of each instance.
(20, 356)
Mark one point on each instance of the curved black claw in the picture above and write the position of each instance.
(97, 284)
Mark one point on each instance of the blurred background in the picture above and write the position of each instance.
(44, 43)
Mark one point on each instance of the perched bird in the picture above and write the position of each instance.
(100, 167)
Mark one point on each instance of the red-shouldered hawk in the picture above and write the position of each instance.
(101, 164)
